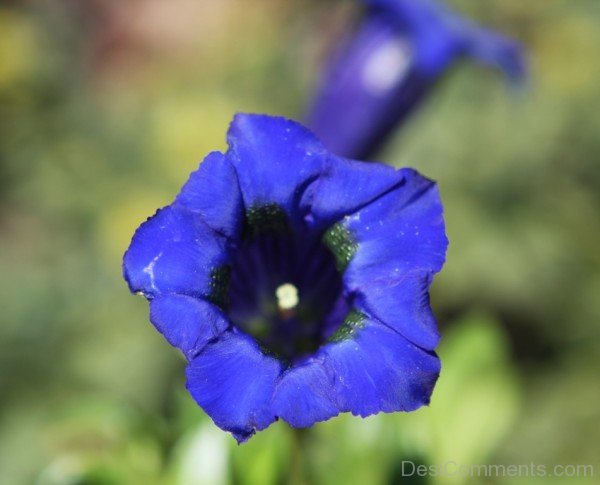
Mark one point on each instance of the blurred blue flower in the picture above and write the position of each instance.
(385, 69)
(295, 282)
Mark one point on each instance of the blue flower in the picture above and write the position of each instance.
(387, 67)
(295, 282)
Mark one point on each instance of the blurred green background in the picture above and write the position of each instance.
(107, 105)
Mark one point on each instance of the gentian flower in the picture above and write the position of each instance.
(295, 282)
(388, 66)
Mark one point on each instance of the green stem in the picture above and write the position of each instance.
(298, 471)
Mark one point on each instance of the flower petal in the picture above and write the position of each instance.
(401, 232)
(233, 381)
(399, 243)
(388, 66)
(305, 395)
(403, 304)
(174, 252)
(276, 159)
(497, 51)
(187, 323)
(444, 34)
(213, 191)
(370, 85)
(376, 369)
(346, 186)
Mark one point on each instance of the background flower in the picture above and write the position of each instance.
(384, 70)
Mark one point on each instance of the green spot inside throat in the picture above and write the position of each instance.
(353, 322)
(340, 242)
(219, 286)
(267, 217)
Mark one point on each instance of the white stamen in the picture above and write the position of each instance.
(287, 296)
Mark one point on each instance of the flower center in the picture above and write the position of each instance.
(286, 291)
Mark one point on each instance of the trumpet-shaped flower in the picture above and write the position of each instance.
(388, 66)
(295, 282)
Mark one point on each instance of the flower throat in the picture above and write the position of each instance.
(285, 288)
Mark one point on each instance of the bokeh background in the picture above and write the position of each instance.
(107, 105)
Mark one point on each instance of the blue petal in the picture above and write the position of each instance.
(401, 243)
(187, 322)
(346, 186)
(213, 191)
(415, 15)
(436, 27)
(305, 395)
(174, 252)
(388, 66)
(378, 370)
(403, 304)
(496, 51)
(233, 381)
(276, 159)
(399, 233)
(371, 85)
(432, 30)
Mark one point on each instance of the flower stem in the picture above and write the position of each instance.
(299, 470)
